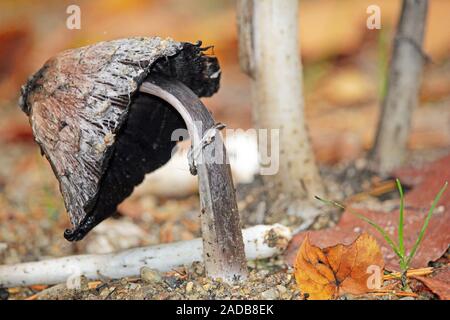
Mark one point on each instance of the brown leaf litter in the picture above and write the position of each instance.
(330, 272)
(425, 182)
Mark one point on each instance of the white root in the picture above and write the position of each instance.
(261, 241)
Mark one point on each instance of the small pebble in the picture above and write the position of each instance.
(281, 289)
(270, 294)
(207, 286)
(173, 282)
(107, 292)
(150, 275)
(133, 286)
(189, 286)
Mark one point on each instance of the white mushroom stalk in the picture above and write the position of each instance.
(261, 241)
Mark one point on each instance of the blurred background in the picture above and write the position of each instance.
(345, 67)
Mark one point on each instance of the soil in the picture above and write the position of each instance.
(343, 82)
(268, 280)
(35, 211)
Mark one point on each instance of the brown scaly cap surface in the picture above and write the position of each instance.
(98, 132)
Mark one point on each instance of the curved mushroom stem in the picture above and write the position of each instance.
(223, 246)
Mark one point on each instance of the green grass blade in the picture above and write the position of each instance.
(369, 221)
(330, 202)
(401, 246)
(425, 225)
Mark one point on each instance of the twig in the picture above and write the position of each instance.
(382, 292)
(409, 273)
(94, 284)
(378, 190)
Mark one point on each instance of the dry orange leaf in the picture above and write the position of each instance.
(439, 283)
(329, 272)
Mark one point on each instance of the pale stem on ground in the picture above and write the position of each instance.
(262, 241)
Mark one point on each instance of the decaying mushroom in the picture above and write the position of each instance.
(104, 115)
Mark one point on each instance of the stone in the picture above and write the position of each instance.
(270, 294)
(150, 275)
(189, 286)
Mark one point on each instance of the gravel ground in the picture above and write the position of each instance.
(33, 219)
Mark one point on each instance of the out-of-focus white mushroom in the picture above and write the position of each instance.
(243, 154)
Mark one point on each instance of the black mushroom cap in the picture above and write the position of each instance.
(99, 133)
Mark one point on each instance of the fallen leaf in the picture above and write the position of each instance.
(439, 283)
(326, 273)
(426, 182)
(433, 246)
(39, 287)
